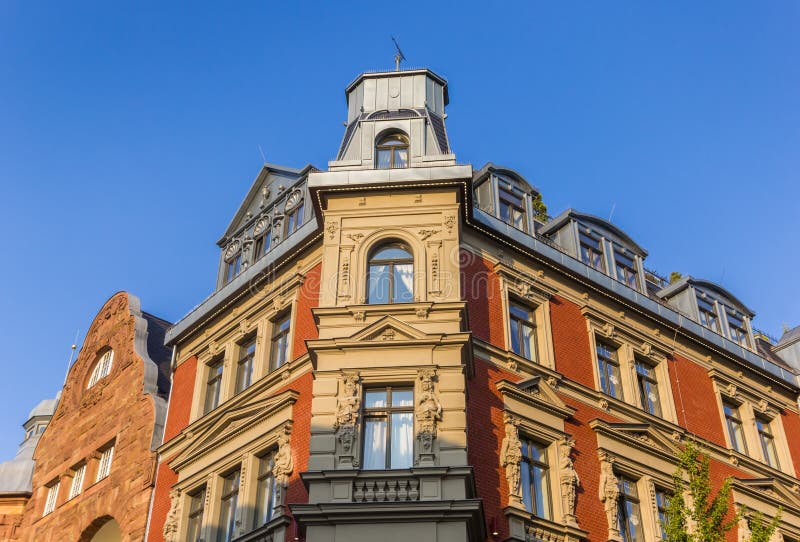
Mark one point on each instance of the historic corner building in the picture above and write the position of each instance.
(95, 462)
(402, 347)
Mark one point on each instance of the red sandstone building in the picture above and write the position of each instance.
(95, 463)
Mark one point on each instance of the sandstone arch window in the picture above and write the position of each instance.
(391, 151)
(391, 274)
(102, 367)
(388, 428)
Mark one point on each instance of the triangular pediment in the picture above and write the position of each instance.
(388, 328)
(537, 391)
(212, 432)
(769, 489)
(269, 185)
(639, 435)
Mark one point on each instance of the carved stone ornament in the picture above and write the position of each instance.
(331, 228)
(262, 225)
(425, 234)
(510, 458)
(284, 465)
(233, 249)
(348, 407)
(355, 237)
(570, 481)
(294, 199)
(429, 412)
(609, 494)
(449, 223)
(171, 524)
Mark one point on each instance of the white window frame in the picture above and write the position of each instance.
(104, 465)
(76, 487)
(52, 497)
(102, 368)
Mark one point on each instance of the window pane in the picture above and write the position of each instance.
(375, 399)
(401, 398)
(400, 157)
(402, 443)
(374, 444)
(525, 477)
(384, 158)
(378, 284)
(403, 283)
(391, 253)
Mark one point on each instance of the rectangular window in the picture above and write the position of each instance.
(767, 443)
(265, 491)
(244, 367)
(592, 252)
(662, 505)
(294, 219)
(262, 243)
(104, 468)
(388, 428)
(735, 430)
(708, 314)
(648, 387)
(280, 342)
(629, 518)
(535, 479)
(194, 529)
(77, 481)
(213, 385)
(232, 267)
(738, 331)
(512, 207)
(626, 269)
(522, 325)
(608, 369)
(228, 503)
(52, 497)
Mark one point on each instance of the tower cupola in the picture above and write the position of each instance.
(395, 120)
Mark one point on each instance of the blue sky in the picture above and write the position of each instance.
(129, 134)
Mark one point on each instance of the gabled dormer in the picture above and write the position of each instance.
(600, 245)
(507, 195)
(275, 207)
(395, 120)
(713, 307)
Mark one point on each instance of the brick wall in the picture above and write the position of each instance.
(695, 401)
(180, 404)
(571, 345)
(304, 326)
(791, 428)
(165, 479)
(480, 288)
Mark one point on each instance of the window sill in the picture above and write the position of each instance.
(266, 532)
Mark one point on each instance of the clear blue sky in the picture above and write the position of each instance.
(129, 134)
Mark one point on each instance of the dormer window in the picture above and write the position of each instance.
(262, 234)
(102, 368)
(708, 314)
(738, 331)
(512, 205)
(294, 212)
(592, 252)
(391, 151)
(233, 261)
(626, 269)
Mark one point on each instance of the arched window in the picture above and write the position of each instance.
(101, 368)
(391, 151)
(391, 274)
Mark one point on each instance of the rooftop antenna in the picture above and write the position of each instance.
(72, 353)
(263, 158)
(399, 57)
(611, 214)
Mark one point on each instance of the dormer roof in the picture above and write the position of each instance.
(490, 168)
(720, 293)
(605, 227)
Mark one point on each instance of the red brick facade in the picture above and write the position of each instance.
(114, 410)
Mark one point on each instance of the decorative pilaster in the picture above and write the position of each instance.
(609, 495)
(570, 481)
(348, 407)
(429, 412)
(510, 458)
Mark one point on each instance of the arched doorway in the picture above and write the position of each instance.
(104, 529)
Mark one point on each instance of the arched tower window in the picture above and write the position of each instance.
(101, 368)
(391, 151)
(391, 274)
